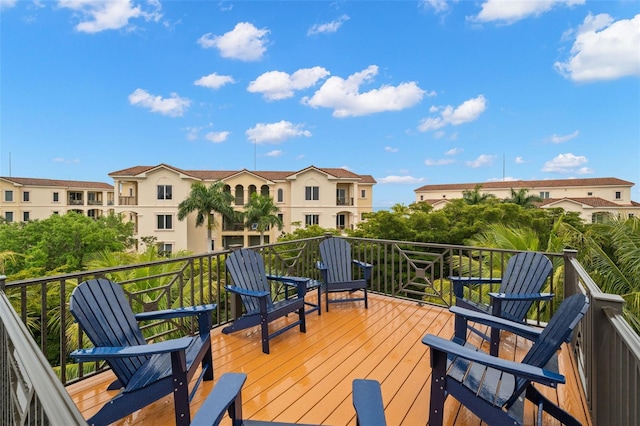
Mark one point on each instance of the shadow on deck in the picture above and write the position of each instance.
(307, 377)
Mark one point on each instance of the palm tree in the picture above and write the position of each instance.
(522, 198)
(475, 197)
(205, 201)
(261, 213)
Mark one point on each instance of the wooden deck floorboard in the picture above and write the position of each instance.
(307, 377)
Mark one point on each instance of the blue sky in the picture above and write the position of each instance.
(410, 92)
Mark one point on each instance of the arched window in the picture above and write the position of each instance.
(239, 195)
(264, 190)
(280, 195)
(252, 190)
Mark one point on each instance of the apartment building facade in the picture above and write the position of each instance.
(592, 198)
(149, 196)
(24, 199)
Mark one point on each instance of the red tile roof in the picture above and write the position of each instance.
(528, 184)
(58, 183)
(224, 174)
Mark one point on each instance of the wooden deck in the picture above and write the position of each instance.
(307, 377)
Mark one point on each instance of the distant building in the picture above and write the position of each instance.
(328, 197)
(24, 199)
(593, 198)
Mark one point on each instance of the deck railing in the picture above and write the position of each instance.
(410, 270)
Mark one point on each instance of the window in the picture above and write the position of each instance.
(281, 195)
(164, 192)
(8, 216)
(311, 193)
(618, 195)
(165, 221)
(25, 196)
(25, 216)
(56, 197)
(165, 249)
(544, 194)
(281, 217)
(589, 194)
(631, 215)
(55, 212)
(422, 198)
(8, 196)
(311, 219)
(363, 193)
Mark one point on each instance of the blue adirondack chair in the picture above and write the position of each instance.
(251, 283)
(367, 400)
(146, 372)
(520, 286)
(336, 272)
(494, 388)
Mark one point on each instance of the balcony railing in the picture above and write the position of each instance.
(76, 202)
(606, 349)
(344, 201)
(94, 202)
(127, 201)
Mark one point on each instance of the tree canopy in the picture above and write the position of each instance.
(262, 212)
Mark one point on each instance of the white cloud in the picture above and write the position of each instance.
(217, 137)
(245, 42)
(214, 81)
(468, 111)
(274, 153)
(482, 160)
(400, 179)
(439, 6)
(441, 162)
(513, 11)
(603, 50)
(329, 27)
(454, 151)
(275, 132)
(563, 138)
(192, 133)
(66, 161)
(567, 163)
(276, 85)
(519, 160)
(346, 100)
(173, 106)
(6, 4)
(96, 16)
(390, 149)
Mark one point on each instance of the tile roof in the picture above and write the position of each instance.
(529, 184)
(58, 183)
(224, 174)
(589, 201)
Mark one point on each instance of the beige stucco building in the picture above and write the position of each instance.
(24, 199)
(328, 197)
(593, 198)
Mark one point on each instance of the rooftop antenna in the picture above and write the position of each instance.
(503, 167)
(9, 164)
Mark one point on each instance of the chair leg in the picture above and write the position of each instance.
(495, 341)
(264, 326)
(366, 299)
(438, 387)
(302, 319)
(207, 361)
(319, 301)
(180, 388)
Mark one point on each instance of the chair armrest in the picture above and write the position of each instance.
(521, 297)
(223, 395)
(367, 400)
(366, 268)
(321, 266)
(287, 279)
(176, 313)
(460, 282)
(245, 292)
(108, 352)
(520, 329)
(526, 371)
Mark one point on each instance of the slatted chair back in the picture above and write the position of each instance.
(526, 274)
(558, 330)
(246, 268)
(336, 256)
(101, 309)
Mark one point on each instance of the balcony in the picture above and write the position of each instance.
(307, 377)
(344, 201)
(128, 201)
